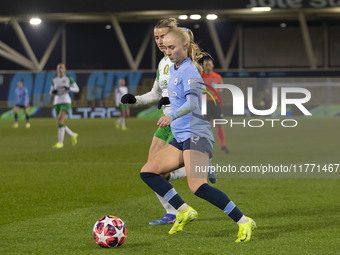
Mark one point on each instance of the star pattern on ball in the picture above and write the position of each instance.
(106, 221)
(119, 233)
(102, 237)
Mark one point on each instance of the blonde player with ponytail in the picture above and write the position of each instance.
(159, 94)
(193, 139)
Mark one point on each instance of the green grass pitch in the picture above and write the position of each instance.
(50, 199)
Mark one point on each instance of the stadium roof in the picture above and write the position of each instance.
(17, 12)
(132, 11)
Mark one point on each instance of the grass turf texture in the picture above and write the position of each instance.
(50, 199)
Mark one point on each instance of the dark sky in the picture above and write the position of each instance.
(62, 6)
(13, 7)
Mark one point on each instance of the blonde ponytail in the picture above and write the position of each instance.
(194, 51)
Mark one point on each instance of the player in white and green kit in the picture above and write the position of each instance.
(124, 110)
(159, 92)
(60, 87)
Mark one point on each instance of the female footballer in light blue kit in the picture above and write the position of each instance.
(159, 94)
(193, 138)
(21, 101)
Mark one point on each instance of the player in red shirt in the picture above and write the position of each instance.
(215, 112)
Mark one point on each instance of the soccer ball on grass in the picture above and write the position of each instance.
(109, 231)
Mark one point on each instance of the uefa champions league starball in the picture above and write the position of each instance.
(109, 231)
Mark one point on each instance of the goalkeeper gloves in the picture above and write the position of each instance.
(163, 101)
(128, 99)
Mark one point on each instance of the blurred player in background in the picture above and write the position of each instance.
(60, 87)
(123, 108)
(214, 111)
(266, 99)
(193, 139)
(21, 101)
(159, 93)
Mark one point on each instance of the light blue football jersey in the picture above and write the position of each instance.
(21, 96)
(186, 80)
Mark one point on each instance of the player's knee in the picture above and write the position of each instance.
(148, 168)
(151, 167)
(144, 169)
(60, 120)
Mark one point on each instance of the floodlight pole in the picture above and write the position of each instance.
(63, 46)
(123, 43)
(16, 59)
(307, 41)
(11, 54)
(50, 48)
(25, 43)
(142, 49)
(325, 48)
(240, 47)
(224, 61)
(217, 44)
(232, 46)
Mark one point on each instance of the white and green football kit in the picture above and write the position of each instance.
(60, 84)
(160, 86)
(159, 90)
(62, 103)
